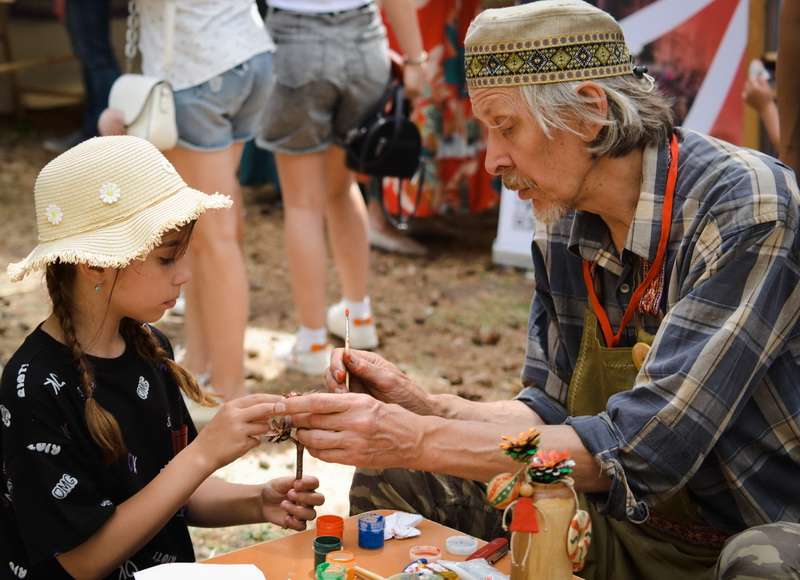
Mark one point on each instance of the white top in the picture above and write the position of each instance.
(207, 38)
(318, 6)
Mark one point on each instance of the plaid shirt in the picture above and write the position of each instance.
(716, 406)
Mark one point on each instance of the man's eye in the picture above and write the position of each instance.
(506, 130)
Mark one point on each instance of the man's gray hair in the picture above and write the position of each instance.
(638, 115)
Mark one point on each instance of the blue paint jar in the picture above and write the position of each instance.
(370, 531)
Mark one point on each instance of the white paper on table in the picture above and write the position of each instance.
(184, 571)
(401, 525)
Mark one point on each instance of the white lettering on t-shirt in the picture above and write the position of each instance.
(132, 463)
(54, 383)
(143, 388)
(48, 448)
(21, 380)
(17, 570)
(162, 558)
(5, 416)
(127, 570)
(64, 486)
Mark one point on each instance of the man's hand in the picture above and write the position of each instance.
(355, 429)
(372, 374)
(288, 502)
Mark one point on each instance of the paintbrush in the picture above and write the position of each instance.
(347, 346)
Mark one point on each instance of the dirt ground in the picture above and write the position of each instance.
(452, 320)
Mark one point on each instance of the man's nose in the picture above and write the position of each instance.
(497, 160)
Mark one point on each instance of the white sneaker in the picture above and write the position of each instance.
(314, 361)
(363, 334)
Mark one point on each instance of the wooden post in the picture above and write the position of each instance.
(756, 33)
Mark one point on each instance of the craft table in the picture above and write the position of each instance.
(293, 556)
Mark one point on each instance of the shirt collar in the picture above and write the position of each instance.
(590, 238)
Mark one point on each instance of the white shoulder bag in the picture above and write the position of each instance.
(146, 103)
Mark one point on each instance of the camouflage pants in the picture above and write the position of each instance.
(770, 551)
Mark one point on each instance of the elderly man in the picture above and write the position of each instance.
(664, 344)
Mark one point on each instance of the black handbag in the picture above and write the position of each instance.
(387, 144)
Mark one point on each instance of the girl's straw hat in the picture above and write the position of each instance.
(107, 202)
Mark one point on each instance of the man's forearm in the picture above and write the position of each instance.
(470, 450)
(514, 414)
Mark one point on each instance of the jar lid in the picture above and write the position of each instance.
(461, 545)
(430, 553)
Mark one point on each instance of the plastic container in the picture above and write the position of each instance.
(429, 553)
(370, 531)
(330, 525)
(323, 545)
(460, 545)
(345, 559)
(326, 571)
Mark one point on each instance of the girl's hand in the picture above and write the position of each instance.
(288, 502)
(235, 430)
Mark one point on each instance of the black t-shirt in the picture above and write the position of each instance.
(55, 489)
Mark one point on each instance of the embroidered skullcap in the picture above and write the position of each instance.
(548, 41)
(107, 202)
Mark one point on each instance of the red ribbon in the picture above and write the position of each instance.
(666, 221)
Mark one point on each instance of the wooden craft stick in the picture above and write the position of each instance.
(299, 463)
(347, 346)
(366, 574)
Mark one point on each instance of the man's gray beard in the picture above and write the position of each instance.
(550, 214)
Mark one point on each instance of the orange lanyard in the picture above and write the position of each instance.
(666, 220)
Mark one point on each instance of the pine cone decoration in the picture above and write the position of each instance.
(550, 466)
(523, 447)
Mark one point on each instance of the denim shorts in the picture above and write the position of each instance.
(225, 109)
(330, 69)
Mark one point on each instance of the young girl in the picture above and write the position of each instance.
(102, 468)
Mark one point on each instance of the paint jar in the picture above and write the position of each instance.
(323, 545)
(429, 553)
(330, 525)
(370, 531)
(345, 559)
(327, 571)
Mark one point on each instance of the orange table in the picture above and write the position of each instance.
(293, 556)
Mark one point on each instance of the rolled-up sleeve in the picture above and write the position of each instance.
(536, 373)
(737, 304)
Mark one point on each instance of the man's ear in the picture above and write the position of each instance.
(595, 98)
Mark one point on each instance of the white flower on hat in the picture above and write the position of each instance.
(110, 193)
(54, 214)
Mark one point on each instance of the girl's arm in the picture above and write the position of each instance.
(402, 16)
(233, 432)
(282, 501)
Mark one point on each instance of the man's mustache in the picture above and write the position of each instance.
(516, 182)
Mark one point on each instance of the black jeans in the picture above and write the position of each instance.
(89, 28)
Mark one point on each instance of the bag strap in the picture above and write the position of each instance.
(401, 219)
(133, 28)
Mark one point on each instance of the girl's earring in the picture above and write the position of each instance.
(98, 287)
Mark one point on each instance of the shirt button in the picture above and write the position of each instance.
(624, 288)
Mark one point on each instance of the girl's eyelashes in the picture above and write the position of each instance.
(166, 261)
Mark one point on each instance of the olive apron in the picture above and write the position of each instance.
(623, 550)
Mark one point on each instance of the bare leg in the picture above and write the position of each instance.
(347, 226)
(303, 186)
(219, 276)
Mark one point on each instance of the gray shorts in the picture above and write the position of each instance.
(225, 109)
(329, 69)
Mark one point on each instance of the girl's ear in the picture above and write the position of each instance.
(594, 97)
(94, 274)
